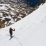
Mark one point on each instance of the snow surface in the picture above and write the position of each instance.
(3, 6)
(30, 31)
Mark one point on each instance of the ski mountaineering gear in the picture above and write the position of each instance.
(11, 32)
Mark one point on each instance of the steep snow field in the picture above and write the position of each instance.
(30, 31)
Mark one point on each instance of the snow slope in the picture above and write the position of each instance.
(30, 31)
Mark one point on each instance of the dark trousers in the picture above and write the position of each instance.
(10, 35)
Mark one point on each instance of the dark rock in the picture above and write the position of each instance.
(18, 19)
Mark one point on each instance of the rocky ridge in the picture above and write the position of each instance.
(10, 13)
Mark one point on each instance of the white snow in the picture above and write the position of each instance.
(30, 31)
(3, 6)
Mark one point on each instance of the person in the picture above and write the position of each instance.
(11, 32)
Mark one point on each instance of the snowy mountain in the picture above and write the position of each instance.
(30, 31)
(10, 13)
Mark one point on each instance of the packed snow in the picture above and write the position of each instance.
(30, 31)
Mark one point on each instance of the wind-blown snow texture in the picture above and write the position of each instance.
(30, 31)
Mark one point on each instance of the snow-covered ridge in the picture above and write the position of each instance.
(10, 13)
(33, 17)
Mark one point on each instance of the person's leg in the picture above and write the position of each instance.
(10, 35)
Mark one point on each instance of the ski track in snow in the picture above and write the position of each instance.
(7, 42)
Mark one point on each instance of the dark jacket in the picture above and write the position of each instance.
(10, 31)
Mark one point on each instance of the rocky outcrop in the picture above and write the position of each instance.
(2, 25)
(13, 13)
(31, 3)
(42, 1)
(9, 1)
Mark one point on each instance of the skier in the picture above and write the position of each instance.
(11, 32)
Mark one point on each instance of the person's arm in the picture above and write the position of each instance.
(13, 29)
